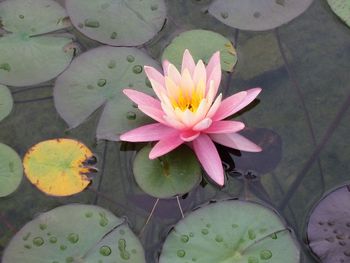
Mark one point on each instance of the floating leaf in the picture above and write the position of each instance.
(118, 22)
(257, 14)
(168, 175)
(32, 16)
(261, 49)
(11, 170)
(28, 60)
(329, 227)
(58, 167)
(342, 9)
(75, 233)
(6, 102)
(230, 231)
(97, 78)
(202, 44)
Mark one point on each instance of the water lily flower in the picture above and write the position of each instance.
(188, 111)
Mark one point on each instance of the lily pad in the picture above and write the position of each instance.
(202, 44)
(28, 60)
(261, 49)
(342, 9)
(257, 15)
(58, 167)
(168, 175)
(11, 170)
(329, 227)
(75, 233)
(32, 17)
(6, 102)
(97, 78)
(230, 231)
(118, 22)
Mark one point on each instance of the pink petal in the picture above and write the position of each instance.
(203, 124)
(228, 106)
(158, 88)
(165, 145)
(225, 127)
(210, 92)
(189, 136)
(215, 76)
(174, 123)
(154, 113)
(251, 95)
(154, 74)
(201, 112)
(208, 156)
(236, 141)
(141, 98)
(199, 73)
(171, 88)
(174, 74)
(165, 66)
(213, 62)
(187, 62)
(215, 106)
(186, 83)
(148, 133)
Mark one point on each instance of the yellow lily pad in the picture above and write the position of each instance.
(58, 167)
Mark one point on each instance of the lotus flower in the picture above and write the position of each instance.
(188, 111)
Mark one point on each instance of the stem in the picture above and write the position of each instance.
(149, 217)
(179, 204)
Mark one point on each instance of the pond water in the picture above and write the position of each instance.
(301, 120)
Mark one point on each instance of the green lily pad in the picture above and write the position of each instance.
(6, 102)
(32, 17)
(75, 233)
(230, 231)
(97, 78)
(263, 55)
(168, 175)
(11, 170)
(257, 15)
(28, 60)
(202, 44)
(118, 22)
(342, 9)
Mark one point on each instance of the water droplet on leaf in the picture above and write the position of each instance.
(73, 238)
(105, 251)
(131, 115)
(114, 35)
(181, 253)
(130, 58)
(265, 254)
(91, 23)
(38, 241)
(101, 82)
(137, 69)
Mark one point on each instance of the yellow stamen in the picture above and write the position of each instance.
(183, 101)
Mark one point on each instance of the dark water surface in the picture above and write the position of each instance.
(301, 120)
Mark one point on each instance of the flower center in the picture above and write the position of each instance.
(189, 98)
(184, 103)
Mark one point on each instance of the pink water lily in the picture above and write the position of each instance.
(188, 111)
